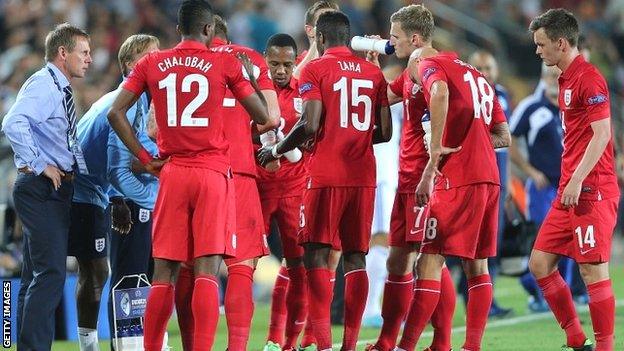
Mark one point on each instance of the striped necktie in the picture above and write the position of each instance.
(70, 109)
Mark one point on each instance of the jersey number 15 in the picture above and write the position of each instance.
(342, 85)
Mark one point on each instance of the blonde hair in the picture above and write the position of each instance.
(133, 46)
(415, 19)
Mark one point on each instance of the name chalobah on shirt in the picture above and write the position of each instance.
(188, 61)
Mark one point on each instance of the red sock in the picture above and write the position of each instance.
(277, 322)
(480, 295)
(157, 313)
(426, 297)
(308, 333)
(239, 306)
(205, 311)
(397, 296)
(183, 299)
(320, 295)
(355, 293)
(296, 300)
(442, 318)
(602, 311)
(559, 299)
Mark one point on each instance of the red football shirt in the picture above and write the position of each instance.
(351, 90)
(187, 84)
(473, 110)
(237, 125)
(583, 99)
(413, 155)
(289, 180)
(301, 56)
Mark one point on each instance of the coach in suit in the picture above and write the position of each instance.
(41, 127)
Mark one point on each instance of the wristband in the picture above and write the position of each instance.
(274, 152)
(144, 156)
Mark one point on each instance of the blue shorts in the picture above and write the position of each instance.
(89, 231)
(539, 201)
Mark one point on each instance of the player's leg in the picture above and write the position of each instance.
(238, 302)
(288, 217)
(320, 291)
(553, 240)
(205, 301)
(89, 234)
(480, 294)
(426, 297)
(355, 292)
(160, 303)
(184, 287)
(601, 303)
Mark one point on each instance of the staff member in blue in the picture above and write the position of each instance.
(41, 127)
(90, 216)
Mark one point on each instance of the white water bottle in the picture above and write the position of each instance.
(381, 46)
(293, 155)
(269, 138)
(425, 121)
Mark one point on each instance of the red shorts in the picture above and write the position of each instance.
(582, 232)
(406, 221)
(251, 238)
(463, 222)
(194, 214)
(286, 214)
(340, 214)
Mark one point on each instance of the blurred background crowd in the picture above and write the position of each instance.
(499, 26)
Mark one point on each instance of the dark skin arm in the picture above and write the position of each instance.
(306, 127)
(267, 97)
(118, 121)
(383, 123)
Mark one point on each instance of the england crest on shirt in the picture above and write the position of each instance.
(144, 215)
(567, 96)
(100, 244)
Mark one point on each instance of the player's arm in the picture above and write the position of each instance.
(383, 126)
(268, 97)
(499, 128)
(438, 109)
(304, 129)
(310, 55)
(600, 139)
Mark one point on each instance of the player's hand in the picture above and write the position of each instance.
(539, 178)
(155, 166)
(424, 190)
(137, 167)
(438, 152)
(265, 155)
(55, 175)
(121, 216)
(373, 56)
(571, 193)
(247, 64)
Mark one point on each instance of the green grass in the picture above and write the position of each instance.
(523, 332)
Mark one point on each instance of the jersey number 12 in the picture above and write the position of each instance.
(186, 119)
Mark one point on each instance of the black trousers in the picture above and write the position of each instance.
(45, 213)
(130, 253)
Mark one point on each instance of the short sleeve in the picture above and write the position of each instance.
(594, 95)
(396, 86)
(236, 81)
(309, 83)
(137, 79)
(429, 72)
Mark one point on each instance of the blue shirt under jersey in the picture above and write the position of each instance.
(36, 125)
(537, 120)
(102, 156)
